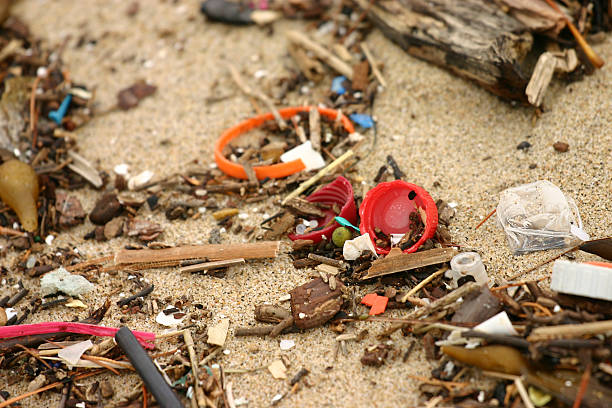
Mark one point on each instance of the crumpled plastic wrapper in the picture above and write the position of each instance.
(538, 216)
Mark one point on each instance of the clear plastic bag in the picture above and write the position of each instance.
(538, 216)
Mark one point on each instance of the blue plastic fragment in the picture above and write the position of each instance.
(337, 85)
(345, 223)
(363, 120)
(58, 115)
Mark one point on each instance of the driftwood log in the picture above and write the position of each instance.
(474, 39)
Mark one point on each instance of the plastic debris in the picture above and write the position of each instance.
(60, 280)
(230, 12)
(378, 304)
(345, 223)
(353, 248)
(286, 344)
(337, 85)
(467, 263)
(363, 120)
(394, 208)
(538, 216)
(153, 379)
(140, 179)
(593, 280)
(168, 319)
(498, 324)
(72, 354)
(337, 193)
(310, 157)
(58, 115)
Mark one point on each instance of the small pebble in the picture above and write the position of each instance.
(523, 145)
(561, 147)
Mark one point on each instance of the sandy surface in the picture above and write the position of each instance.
(449, 136)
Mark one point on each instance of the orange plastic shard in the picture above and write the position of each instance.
(379, 306)
(276, 170)
(369, 299)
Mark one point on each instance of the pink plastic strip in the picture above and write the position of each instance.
(145, 338)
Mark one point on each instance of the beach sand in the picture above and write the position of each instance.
(451, 137)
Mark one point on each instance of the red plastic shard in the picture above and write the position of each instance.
(369, 299)
(379, 306)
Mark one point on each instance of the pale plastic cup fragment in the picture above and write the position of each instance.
(353, 248)
(467, 263)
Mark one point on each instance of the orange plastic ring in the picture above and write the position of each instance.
(276, 170)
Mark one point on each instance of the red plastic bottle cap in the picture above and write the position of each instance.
(275, 170)
(339, 192)
(388, 206)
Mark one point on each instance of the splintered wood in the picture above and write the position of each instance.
(221, 252)
(315, 302)
(405, 262)
(458, 35)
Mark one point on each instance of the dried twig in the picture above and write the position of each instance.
(259, 95)
(327, 57)
(591, 55)
(373, 64)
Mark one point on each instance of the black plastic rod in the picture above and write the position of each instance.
(163, 393)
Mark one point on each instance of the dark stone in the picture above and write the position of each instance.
(107, 208)
(523, 145)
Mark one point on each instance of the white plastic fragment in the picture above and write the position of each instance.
(310, 157)
(467, 263)
(498, 324)
(72, 354)
(121, 169)
(593, 281)
(286, 344)
(10, 313)
(168, 320)
(60, 280)
(353, 248)
(140, 180)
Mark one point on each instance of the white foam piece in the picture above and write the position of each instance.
(310, 157)
(582, 279)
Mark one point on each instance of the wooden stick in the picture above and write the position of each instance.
(220, 252)
(314, 123)
(591, 55)
(570, 330)
(330, 167)
(327, 57)
(544, 263)
(205, 266)
(523, 392)
(421, 285)
(373, 64)
(91, 262)
(259, 95)
(404, 262)
(33, 114)
(12, 232)
(13, 400)
(198, 394)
